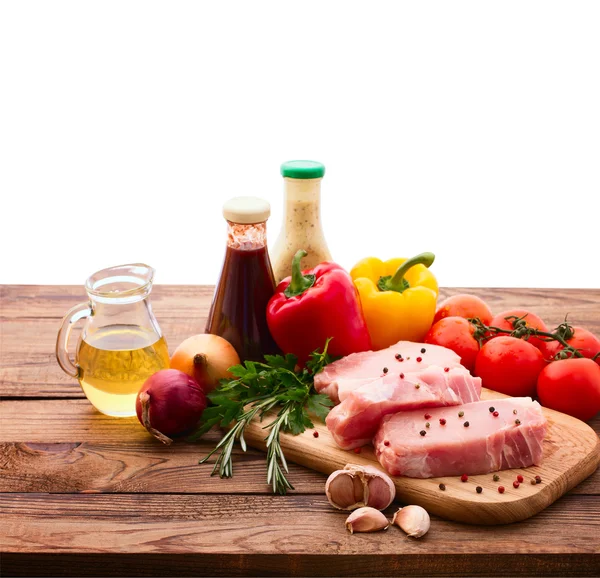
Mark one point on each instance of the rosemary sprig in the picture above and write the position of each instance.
(257, 389)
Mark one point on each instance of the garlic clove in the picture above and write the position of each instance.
(381, 492)
(340, 490)
(357, 486)
(366, 520)
(414, 520)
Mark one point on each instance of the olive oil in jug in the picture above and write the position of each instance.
(121, 344)
(114, 363)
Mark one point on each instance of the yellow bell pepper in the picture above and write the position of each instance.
(398, 298)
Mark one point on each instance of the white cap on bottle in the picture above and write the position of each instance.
(246, 210)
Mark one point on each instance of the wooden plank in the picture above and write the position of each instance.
(120, 456)
(29, 367)
(53, 301)
(211, 524)
(292, 564)
(30, 319)
(183, 301)
(300, 535)
(142, 467)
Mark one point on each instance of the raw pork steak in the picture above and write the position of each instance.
(488, 444)
(355, 421)
(341, 377)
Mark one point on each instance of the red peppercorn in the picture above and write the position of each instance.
(316, 434)
(442, 421)
(427, 416)
(495, 414)
(446, 369)
(401, 376)
(357, 450)
(538, 479)
(386, 443)
(520, 479)
(501, 489)
(516, 484)
(419, 359)
(464, 478)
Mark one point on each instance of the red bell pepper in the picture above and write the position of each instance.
(313, 305)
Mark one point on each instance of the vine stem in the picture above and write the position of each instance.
(523, 331)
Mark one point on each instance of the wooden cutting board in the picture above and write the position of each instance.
(571, 454)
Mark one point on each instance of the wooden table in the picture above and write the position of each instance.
(85, 494)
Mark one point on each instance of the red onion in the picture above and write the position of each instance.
(170, 403)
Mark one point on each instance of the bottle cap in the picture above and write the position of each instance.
(303, 170)
(246, 210)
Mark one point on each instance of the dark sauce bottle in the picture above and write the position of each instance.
(239, 308)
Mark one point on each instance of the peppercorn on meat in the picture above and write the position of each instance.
(345, 375)
(475, 438)
(355, 420)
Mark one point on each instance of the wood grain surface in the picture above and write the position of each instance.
(85, 494)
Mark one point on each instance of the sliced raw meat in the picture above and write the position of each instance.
(355, 421)
(489, 443)
(339, 378)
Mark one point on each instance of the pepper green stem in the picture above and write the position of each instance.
(397, 282)
(299, 283)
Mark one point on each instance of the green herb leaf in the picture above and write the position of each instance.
(319, 404)
(257, 389)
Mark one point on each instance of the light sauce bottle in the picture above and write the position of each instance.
(301, 228)
(239, 308)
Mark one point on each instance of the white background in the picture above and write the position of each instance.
(470, 129)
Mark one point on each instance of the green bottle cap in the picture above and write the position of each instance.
(303, 170)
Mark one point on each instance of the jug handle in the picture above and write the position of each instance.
(62, 341)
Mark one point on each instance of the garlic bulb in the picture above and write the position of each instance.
(358, 486)
(366, 520)
(414, 520)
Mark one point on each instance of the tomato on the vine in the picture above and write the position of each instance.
(509, 365)
(455, 333)
(583, 340)
(463, 305)
(530, 319)
(571, 386)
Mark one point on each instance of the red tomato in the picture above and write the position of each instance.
(509, 365)
(530, 319)
(455, 333)
(583, 340)
(463, 305)
(571, 386)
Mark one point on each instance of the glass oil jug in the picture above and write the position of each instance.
(121, 344)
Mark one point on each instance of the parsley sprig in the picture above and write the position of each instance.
(256, 389)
